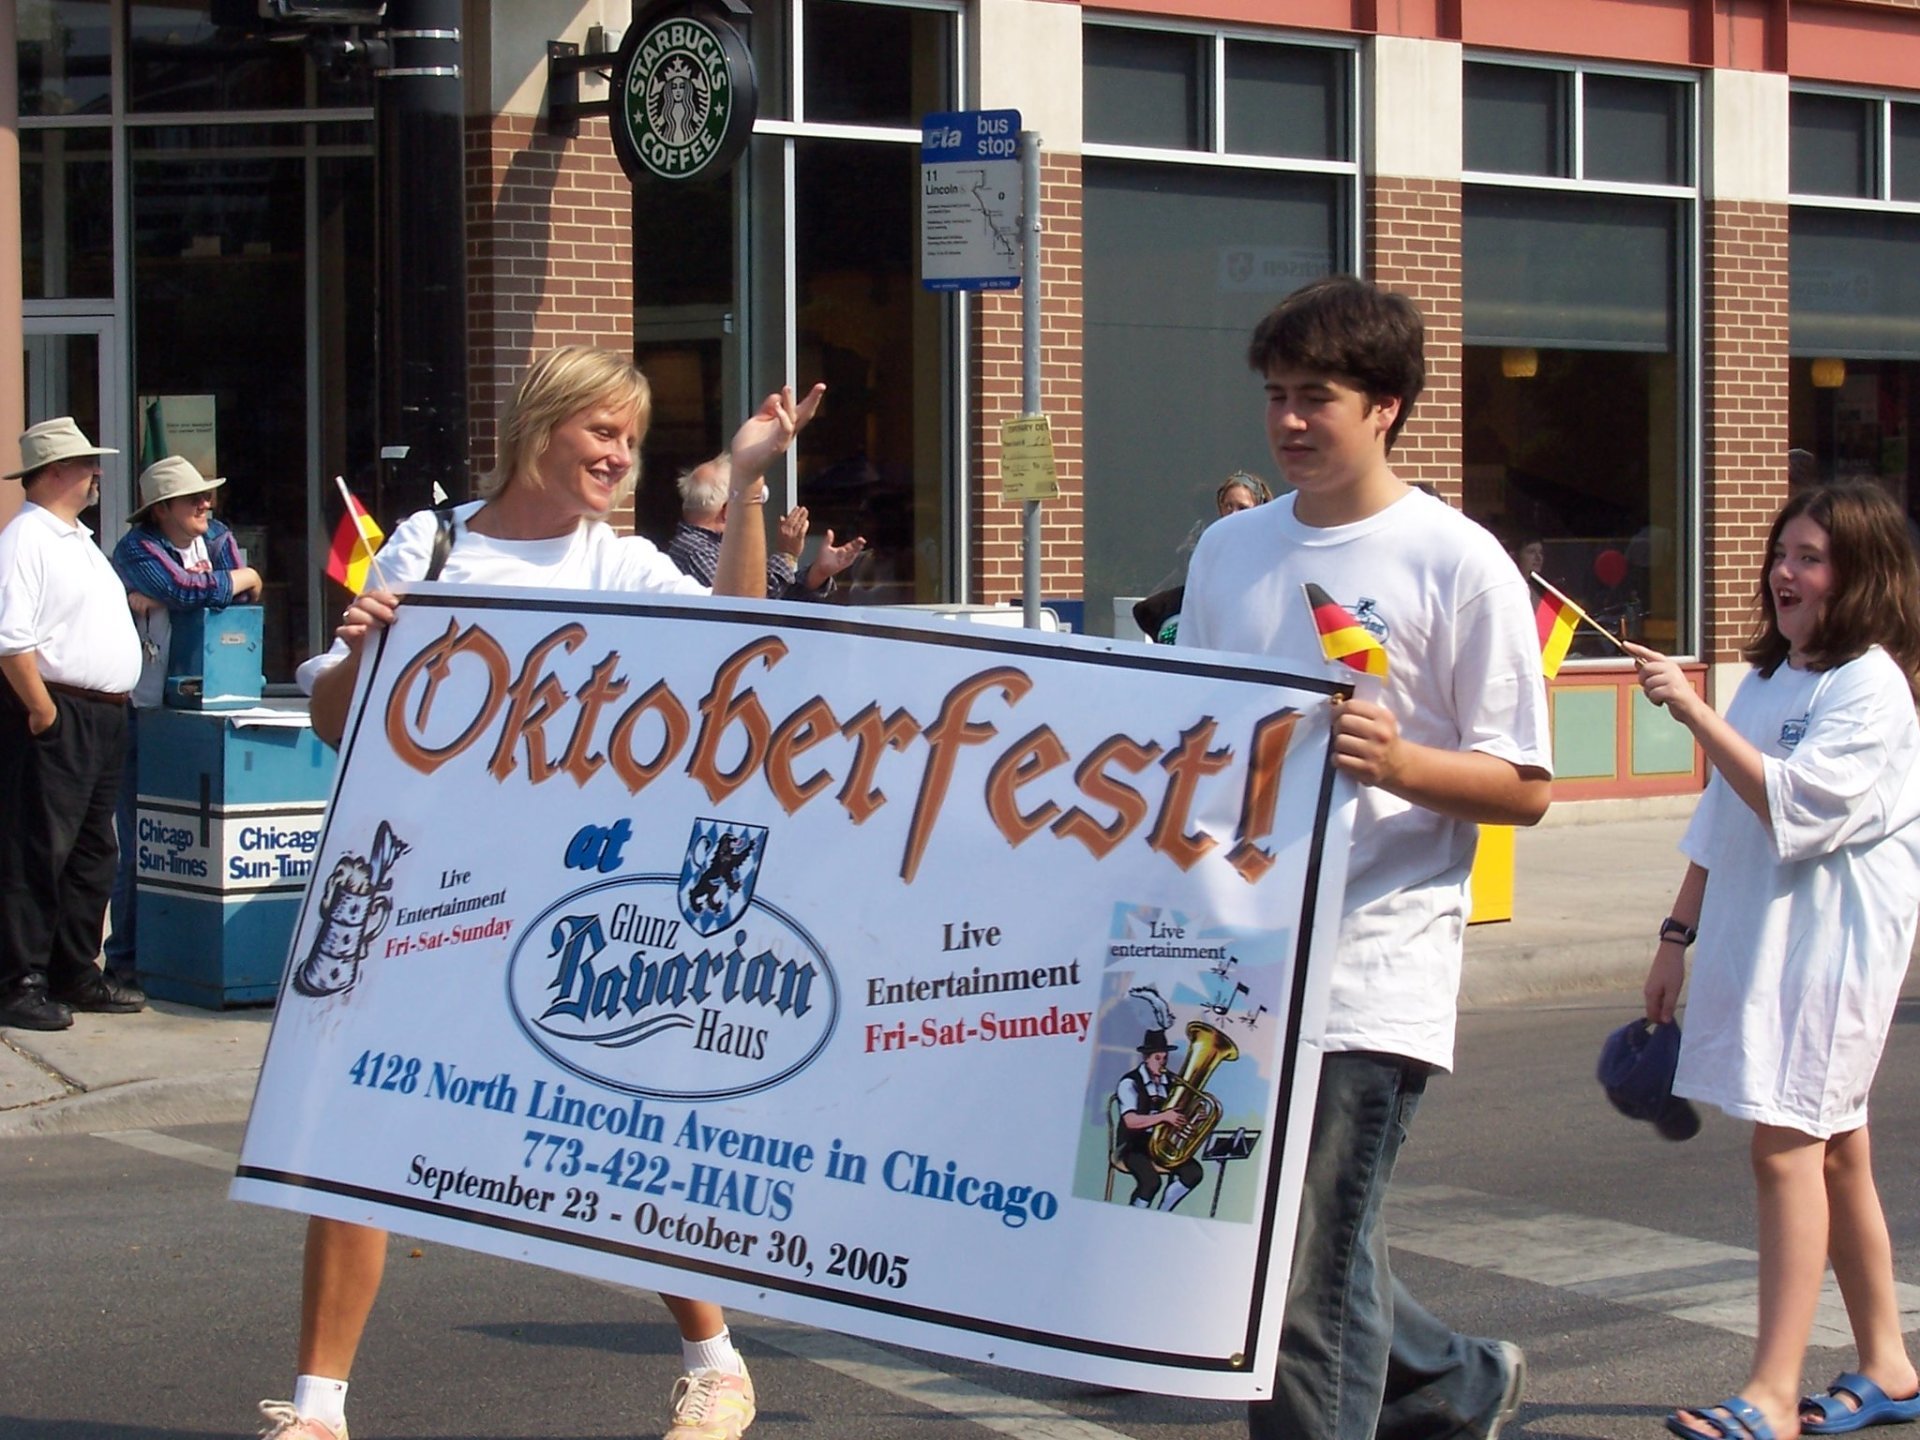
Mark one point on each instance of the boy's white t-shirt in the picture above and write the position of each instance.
(1807, 921)
(1463, 658)
(591, 557)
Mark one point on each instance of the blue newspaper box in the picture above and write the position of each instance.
(230, 811)
(213, 661)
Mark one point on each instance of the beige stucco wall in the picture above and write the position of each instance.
(506, 49)
(1027, 58)
(1747, 143)
(1414, 108)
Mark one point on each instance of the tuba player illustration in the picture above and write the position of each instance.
(1144, 1095)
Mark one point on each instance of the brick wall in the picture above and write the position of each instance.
(1744, 408)
(1413, 247)
(549, 257)
(995, 557)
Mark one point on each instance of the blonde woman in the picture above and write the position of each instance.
(569, 453)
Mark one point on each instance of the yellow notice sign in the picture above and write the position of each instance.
(1026, 460)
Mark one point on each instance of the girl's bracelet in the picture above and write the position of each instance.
(741, 498)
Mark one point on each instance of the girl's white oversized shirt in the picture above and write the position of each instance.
(1808, 920)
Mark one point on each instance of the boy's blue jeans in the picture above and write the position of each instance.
(1360, 1358)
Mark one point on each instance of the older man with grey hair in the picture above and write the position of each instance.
(70, 656)
(695, 546)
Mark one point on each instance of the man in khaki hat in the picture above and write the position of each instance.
(176, 556)
(70, 656)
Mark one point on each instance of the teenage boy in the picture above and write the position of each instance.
(1459, 736)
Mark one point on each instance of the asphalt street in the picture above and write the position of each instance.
(138, 1303)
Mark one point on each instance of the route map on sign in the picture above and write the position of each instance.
(970, 200)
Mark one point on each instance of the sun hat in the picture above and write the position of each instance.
(169, 479)
(1636, 1068)
(51, 440)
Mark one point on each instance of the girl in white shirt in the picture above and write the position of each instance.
(1805, 865)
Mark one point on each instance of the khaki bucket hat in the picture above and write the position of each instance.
(51, 440)
(169, 479)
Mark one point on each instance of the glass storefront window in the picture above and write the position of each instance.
(717, 325)
(1286, 100)
(66, 213)
(1596, 480)
(874, 65)
(65, 51)
(872, 463)
(1180, 259)
(1853, 387)
(1537, 120)
(1180, 263)
(1905, 127)
(1860, 420)
(1575, 377)
(1832, 150)
(1516, 120)
(179, 60)
(222, 275)
(1636, 130)
(1145, 87)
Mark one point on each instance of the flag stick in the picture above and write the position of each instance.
(1568, 601)
(353, 514)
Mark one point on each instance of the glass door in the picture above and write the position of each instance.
(68, 374)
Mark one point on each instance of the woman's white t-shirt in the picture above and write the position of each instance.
(1807, 921)
(591, 557)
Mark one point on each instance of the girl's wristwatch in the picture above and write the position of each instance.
(1678, 930)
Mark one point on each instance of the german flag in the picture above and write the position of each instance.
(1557, 618)
(1344, 638)
(354, 543)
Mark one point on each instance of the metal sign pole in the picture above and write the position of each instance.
(1030, 356)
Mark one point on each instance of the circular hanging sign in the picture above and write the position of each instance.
(684, 96)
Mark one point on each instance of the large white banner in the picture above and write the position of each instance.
(810, 960)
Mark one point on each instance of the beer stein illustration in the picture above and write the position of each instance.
(354, 909)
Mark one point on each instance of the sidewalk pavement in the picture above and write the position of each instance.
(1590, 887)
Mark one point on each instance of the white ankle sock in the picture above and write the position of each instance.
(715, 1354)
(316, 1397)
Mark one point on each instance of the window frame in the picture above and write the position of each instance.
(1216, 152)
(1881, 131)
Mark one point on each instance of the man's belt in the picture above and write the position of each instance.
(103, 697)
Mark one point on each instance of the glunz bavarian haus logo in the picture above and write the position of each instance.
(685, 96)
(677, 987)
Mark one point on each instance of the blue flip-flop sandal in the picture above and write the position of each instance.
(1733, 1418)
(1873, 1406)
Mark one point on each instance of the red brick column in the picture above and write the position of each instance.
(1745, 399)
(1413, 247)
(549, 257)
(995, 553)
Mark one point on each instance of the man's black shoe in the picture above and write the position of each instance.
(26, 1007)
(98, 995)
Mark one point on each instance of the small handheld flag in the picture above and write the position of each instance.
(1344, 638)
(355, 540)
(1557, 621)
(1557, 618)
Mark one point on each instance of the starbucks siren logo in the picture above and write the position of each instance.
(687, 98)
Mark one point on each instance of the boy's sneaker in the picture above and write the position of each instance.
(1514, 1360)
(284, 1423)
(711, 1405)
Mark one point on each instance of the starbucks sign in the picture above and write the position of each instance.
(684, 96)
